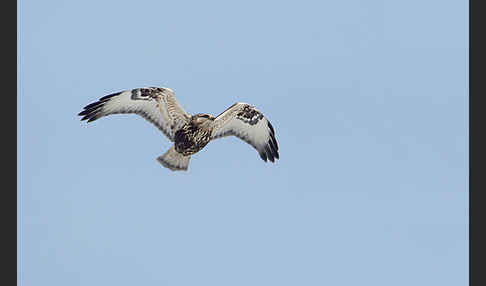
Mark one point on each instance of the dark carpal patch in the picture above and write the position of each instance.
(145, 93)
(134, 94)
(249, 115)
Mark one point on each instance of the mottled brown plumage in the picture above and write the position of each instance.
(190, 134)
(195, 135)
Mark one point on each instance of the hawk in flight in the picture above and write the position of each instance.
(190, 133)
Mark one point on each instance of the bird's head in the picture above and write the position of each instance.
(202, 118)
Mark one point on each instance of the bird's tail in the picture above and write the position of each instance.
(174, 160)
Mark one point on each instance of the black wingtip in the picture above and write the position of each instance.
(270, 153)
(86, 117)
(104, 98)
(93, 118)
(91, 111)
(263, 156)
(89, 115)
(271, 127)
(93, 105)
(273, 149)
(274, 141)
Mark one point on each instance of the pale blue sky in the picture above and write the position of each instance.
(369, 100)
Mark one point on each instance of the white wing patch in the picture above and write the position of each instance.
(249, 124)
(157, 105)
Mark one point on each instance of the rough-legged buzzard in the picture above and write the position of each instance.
(190, 133)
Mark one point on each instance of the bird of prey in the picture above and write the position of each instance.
(190, 133)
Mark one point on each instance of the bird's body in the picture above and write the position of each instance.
(190, 133)
(193, 136)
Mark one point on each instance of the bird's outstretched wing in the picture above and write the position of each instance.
(156, 104)
(249, 124)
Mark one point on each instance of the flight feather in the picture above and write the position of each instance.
(157, 105)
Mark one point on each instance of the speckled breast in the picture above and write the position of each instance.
(190, 139)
